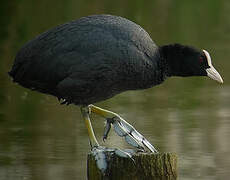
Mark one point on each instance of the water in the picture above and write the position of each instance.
(39, 139)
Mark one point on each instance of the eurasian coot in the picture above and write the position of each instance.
(96, 57)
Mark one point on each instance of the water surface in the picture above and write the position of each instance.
(39, 139)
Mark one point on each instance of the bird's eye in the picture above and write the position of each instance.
(201, 60)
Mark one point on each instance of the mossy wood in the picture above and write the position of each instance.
(146, 166)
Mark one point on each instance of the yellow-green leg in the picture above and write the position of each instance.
(85, 113)
(121, 127)
(102, 112)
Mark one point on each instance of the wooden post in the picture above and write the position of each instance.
(146, 166)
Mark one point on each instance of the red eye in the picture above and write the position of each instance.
(201, 60)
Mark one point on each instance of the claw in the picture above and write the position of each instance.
(124, 130)
(132, 151)
(137, 135)
(100, 152)
(131, 135)
(100, 157)
(119, 128)
(124, 154)
(107, 129)
(126, 125)
(144, 141)
(149, 146)
(63, 102)
(133, 142)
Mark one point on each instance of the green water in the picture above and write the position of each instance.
(41, 140)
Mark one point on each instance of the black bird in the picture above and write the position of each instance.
(96, 57)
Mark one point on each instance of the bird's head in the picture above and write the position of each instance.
(188, 61)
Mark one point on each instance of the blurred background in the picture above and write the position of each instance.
(42, 140)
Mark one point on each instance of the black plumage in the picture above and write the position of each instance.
(96, 57)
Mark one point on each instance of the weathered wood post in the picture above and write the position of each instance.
(146, 166)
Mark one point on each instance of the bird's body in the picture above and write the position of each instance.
(97, 57)
(89, 60)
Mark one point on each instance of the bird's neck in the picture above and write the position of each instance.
(171, 55)
(155, 71)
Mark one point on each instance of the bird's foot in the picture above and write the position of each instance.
(101, 155)
(131, 135)
(64, 101)
(123, 129)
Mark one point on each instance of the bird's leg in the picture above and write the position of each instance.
(123, 129)
(98, 151)
(85, 113)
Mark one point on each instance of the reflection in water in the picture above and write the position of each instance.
(40, 139)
